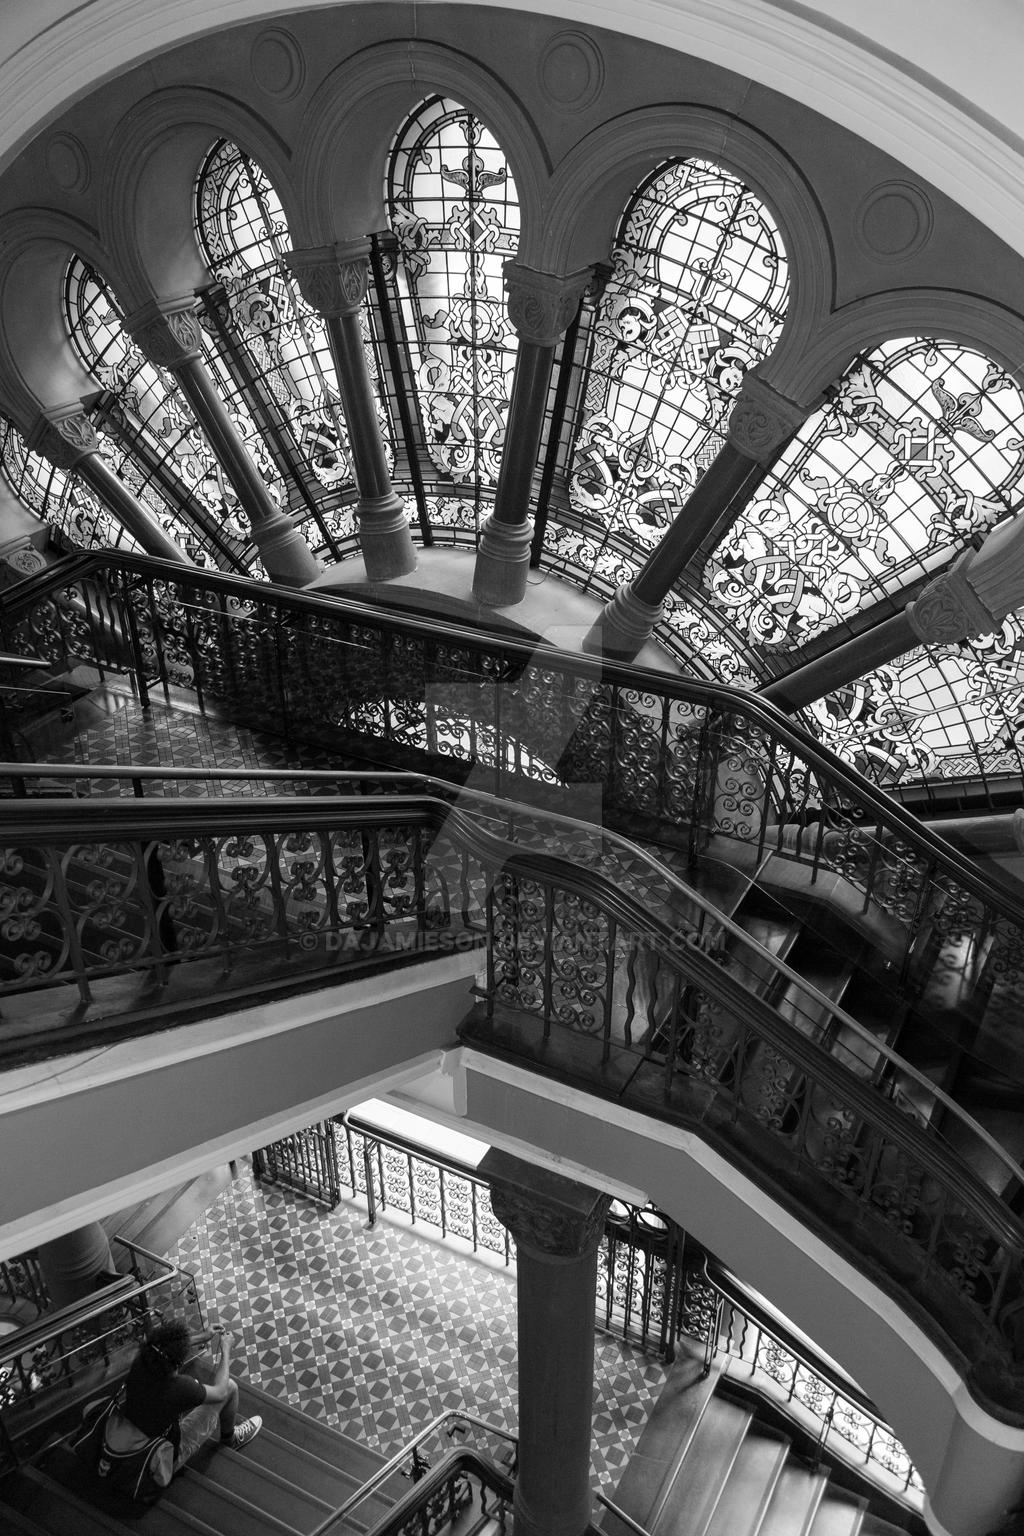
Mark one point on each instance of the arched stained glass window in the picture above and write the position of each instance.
(918, 451)
(58, 498)
(149, 434)
(697, 297)
(269, 348)
(454, 210)
(939, 712)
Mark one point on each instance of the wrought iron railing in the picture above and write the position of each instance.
(434, 1489)
(615, 982)
(50, 1365)
(719, 1313)
(22, 1284)
(681, 761)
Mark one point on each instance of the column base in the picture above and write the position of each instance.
(624, 628)
(502, 563)
(385, 537)
(287, 558)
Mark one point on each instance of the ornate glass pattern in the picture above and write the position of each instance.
(917, 451)
(271, 349)
(58, 498)
(938, 712)
(453, 207)
(149, 433)
(697, 297)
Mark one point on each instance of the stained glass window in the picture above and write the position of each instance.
(271, 352)
(57, 498)
(944, 712)
(697, 296)
(918, 450)
(149, 434)
(453, 207)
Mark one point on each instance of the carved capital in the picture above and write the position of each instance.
(949, 609)
(553, 1216)
(762, 420)
(540, 305)
(333, 279)
(167, 338)
(66, 440)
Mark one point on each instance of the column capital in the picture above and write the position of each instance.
(950, 609)
(554, 1217)
(333, 278)
(761, 419)
(168, 335)
(65, 440)
(541, 305)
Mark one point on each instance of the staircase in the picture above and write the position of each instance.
(708, 1464)
(285, 1484)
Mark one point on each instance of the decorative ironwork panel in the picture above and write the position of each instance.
(306, 1161)
(917, 452)
(452, 205)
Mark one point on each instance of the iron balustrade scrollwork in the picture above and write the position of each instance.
(730, 1323)
(52, 1360)
(592, 959)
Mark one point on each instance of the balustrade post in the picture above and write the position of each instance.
(333, 280)
(169, 337)
(540, 306)
(557, 1224)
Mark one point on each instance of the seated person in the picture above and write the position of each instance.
(161, 1398)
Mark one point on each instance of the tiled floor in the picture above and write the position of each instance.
(378, 1331)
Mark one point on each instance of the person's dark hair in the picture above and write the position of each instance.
(167, 1348)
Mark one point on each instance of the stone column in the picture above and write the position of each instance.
(971, 598)
(169, 336)
(333, 280)
(760, 423)
(557, 1225)
(70, 442)
(71, 1263)
(540, 306)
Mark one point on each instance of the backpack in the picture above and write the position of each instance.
(125, 1459)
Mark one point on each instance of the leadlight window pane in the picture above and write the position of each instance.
(939, 712)
(917, 452)
(287, 372)
(453, 206)
(149, 434)
(696, 298)
(57, 498)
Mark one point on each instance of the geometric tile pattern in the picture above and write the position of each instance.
(377, 1331)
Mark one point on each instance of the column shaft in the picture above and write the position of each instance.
(842, 665)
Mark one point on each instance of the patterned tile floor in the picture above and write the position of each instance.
(376, 1331)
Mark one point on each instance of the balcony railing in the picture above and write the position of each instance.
(679, 761)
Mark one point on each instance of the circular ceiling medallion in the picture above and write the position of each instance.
(67, 162)
(894, 221)
(571, 71)
(277, 64)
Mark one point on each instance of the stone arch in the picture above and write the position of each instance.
(593, 184)
(39, 365)
(353, 118)
(146, 203)
(946, 314)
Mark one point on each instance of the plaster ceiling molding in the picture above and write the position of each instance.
(940, 124)
(277, 64)
(68, 162)
(571, 71)
(894, 221)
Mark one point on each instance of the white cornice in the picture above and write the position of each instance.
(938, 124)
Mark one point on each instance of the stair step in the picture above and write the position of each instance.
(246, 1475)
(208, 1499)
(794, 1502)
(58, 1510)
(839, 1514)
(330, 1446)
(748, 1489)
(689, 1500)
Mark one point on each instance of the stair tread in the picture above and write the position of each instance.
(748, 1487)
(320, 1439)
(698, 1477)
(839, 1514)
(210, 1500)
(794, 1502)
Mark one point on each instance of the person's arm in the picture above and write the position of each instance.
(217, 1390)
